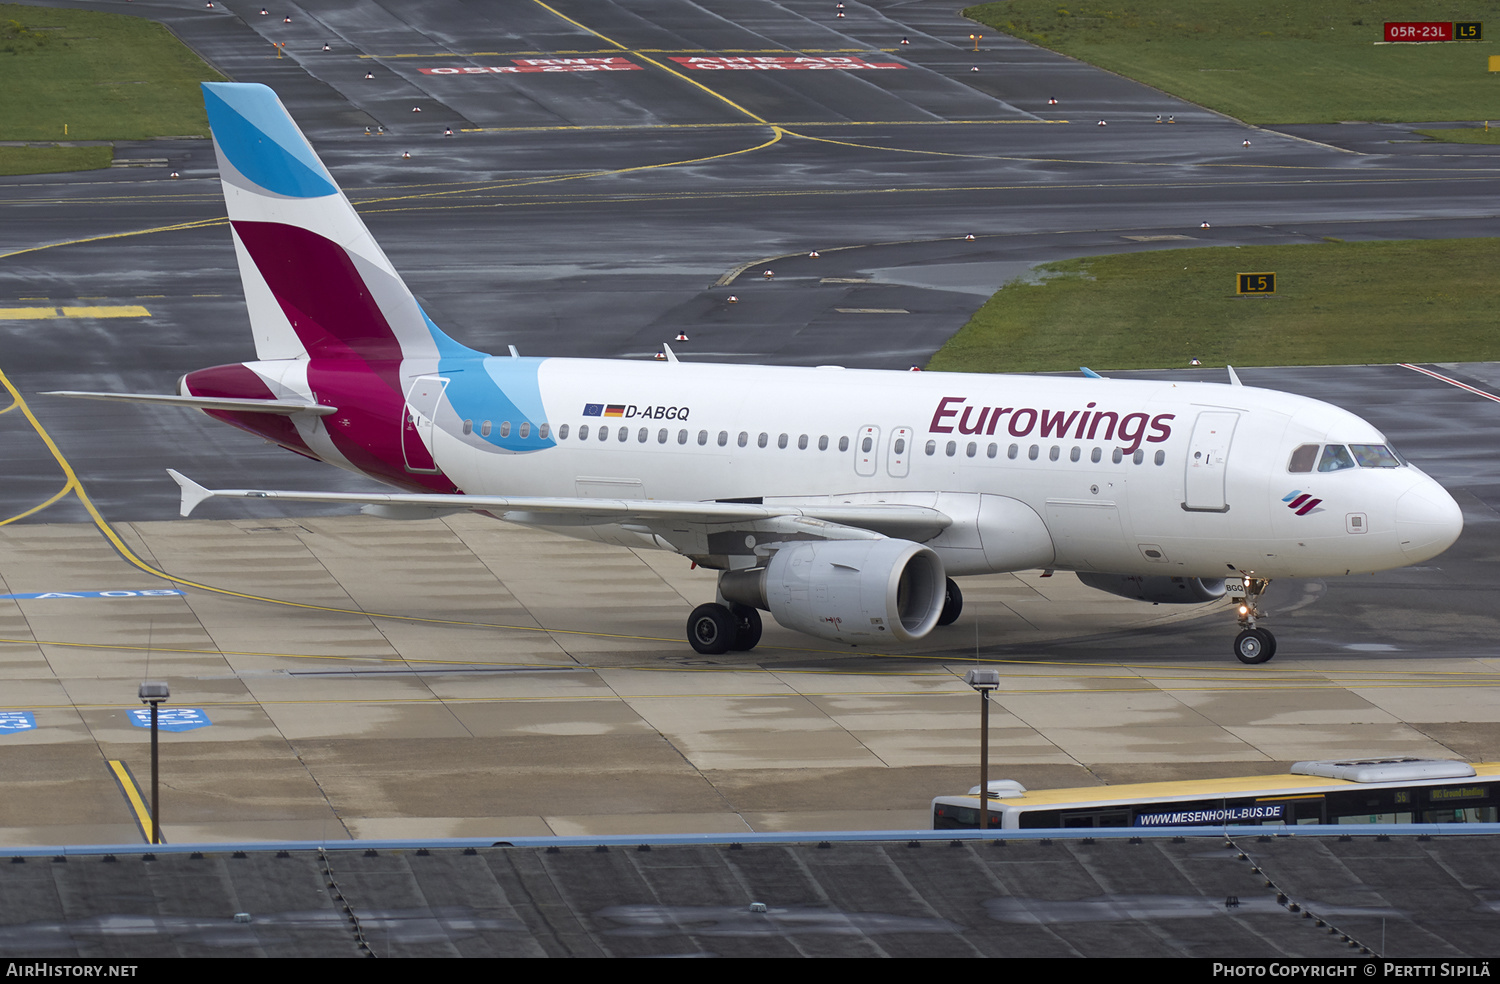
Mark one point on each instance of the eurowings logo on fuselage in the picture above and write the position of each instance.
(1128, 429)
(1301, 503)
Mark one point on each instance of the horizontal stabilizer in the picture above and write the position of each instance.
(889, 519)
(192, 492)
(283, 407)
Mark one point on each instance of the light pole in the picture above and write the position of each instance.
(984, 681)
(154, 693)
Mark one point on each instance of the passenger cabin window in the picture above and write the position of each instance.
(562, 432)
(1303, 459)
(505, 428)
(468, 426)
(525, 429)
(1336, 457)
(484, 429)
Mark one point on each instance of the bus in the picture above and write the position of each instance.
(1372, 790)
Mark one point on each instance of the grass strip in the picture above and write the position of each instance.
(1336, 303)
(1276, 61)
(86, 75)
(1464, 135)
(50, 160)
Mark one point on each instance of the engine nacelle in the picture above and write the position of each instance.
(847, 590)
(1157, 588)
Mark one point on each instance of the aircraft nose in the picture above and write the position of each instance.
(1427, 521)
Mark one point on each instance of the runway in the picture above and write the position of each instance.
(466, 677)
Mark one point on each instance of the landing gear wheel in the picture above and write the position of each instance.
(953, 604)
(711, 629)
(1254, 646)
(747, 628)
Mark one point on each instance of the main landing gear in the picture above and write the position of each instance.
(1253, 645)
(953, 603)
(714, 629)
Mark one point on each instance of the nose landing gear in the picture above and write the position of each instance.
(1253, 645)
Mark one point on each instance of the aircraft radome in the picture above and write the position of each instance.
(841, 501)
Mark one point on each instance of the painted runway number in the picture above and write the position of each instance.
(748, 63)
(528, 65)
(770, 63)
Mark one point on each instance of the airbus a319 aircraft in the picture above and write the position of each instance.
(839, 500)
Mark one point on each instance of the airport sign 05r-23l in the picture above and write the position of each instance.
(1433, 31)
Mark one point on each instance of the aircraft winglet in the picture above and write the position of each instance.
(1234, 379)
(1091, 374)
(192, 492)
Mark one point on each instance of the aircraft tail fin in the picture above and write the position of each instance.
(316, 283)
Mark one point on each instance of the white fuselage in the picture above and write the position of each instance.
(1131, 477)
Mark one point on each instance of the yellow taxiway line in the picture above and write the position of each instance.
(137, 802)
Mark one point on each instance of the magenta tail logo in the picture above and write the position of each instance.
(1301, 503)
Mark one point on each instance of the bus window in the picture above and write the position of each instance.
(1097, 818)
(947, 817)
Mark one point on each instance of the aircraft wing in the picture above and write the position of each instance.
(283, 407)
(665, 518)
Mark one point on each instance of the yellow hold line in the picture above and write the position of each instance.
(107, 311)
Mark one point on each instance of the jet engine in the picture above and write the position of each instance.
(1157, 588)
(847, 590)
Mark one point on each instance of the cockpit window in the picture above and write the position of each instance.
(1303, 458)
(1335, 458)
(1375, 456)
